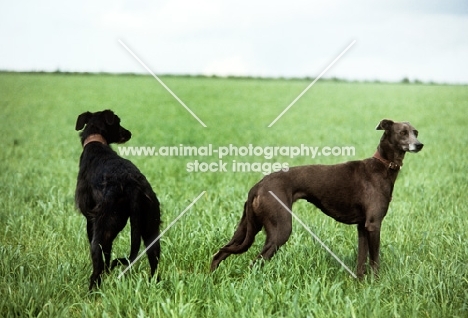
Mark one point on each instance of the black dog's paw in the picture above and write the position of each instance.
(158, 278)
(94, 282)
(119, 261)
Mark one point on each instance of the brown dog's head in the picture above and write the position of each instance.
(400, 135)
(104, 123)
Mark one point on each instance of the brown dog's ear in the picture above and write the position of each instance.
(385, 124)
(82, 120)
(109, 116)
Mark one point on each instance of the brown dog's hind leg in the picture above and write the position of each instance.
(278, 229)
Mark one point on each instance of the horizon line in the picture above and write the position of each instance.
(404, 80)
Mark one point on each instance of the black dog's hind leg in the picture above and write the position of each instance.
(90, 229)
(95, 252)
(99, 246)
(150, 230)
(104, 233)
(153, 248)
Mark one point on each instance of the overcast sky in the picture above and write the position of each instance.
(422, 39)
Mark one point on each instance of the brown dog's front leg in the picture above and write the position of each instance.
(374, 248)
(363, 249)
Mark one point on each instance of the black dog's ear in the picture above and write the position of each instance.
(82, 120)
(109, 116)
(385, 124)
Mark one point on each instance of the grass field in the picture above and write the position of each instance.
(44, 253)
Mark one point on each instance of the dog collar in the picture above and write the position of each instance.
(94, 137)
(387, 163)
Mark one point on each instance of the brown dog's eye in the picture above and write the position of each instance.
(404, 132)
(416, 133)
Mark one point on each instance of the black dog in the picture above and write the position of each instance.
(110, 190)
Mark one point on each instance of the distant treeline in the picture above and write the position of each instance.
(405, 80)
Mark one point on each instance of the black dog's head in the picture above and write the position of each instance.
(104, 123)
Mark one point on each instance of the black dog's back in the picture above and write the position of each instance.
(111, 177)
(109, 191)
(115, 181)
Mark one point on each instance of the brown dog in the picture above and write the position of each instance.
(354, 192)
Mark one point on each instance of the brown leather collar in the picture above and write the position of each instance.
(94, 137)
(387, 163)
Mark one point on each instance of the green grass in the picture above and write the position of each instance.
(44, 254)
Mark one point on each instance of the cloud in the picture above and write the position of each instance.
(234, 65)
(424, 39)
(168, 18)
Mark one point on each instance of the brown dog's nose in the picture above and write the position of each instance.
(419, 146)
